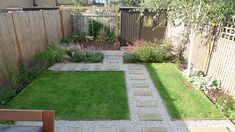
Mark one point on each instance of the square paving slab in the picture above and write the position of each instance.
(150, 117)
(143, 92)
(126, 129)
(75, 129)
(146, 103)
(154, 129)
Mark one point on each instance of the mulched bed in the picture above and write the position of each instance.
(101, 45)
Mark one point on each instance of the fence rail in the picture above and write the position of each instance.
(23, 34)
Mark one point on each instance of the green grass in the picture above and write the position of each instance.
(181, 99)
(77, 95)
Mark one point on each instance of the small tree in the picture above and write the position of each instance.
(194, 13)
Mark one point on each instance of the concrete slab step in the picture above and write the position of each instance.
(150, 117)
(146, 103)
(143, 92)
(154, 129)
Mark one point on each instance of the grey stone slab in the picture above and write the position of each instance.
(143, 92)
(138, 77)
(103, 130)
(207, 129)
(154, 129)
(71, 66)
(146, 103)
(135, 67)
(138, 72)
(140, 85)
(150, 117)
(75, 129)
(126, 129)
(112, 67)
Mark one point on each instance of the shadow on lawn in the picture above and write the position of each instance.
(167, 99)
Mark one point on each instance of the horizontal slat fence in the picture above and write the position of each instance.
(23, 34)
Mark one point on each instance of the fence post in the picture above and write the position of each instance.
(17, 36)
(117, 26)
(44, 25)
(62, 20)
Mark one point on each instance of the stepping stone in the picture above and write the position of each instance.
(126, 129)
(138, 77)
(140, 85)
(146, 103)
(112, 61)
(98, 67)
(150, 117)
(154, 129)
(75, 129)
(135, 67)
(136, 72)
(102, 130)
(112, 67)
(207, 129)
(143, 92)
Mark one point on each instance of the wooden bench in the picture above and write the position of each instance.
(47, 117)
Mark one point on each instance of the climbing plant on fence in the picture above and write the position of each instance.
(194, 13)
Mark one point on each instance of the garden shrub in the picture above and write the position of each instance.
(78, 56)
(6, 95)
(148, 53)
(88, 56)
(93, 57)
(94, 28)
(130, 58)
(159, 51)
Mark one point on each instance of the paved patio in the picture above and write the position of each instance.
(147, 110)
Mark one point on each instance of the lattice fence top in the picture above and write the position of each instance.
(228, 31)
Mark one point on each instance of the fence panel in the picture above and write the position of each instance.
(222, 64)
(67, 21)
(53, 26)
(199, 51)
(9, 53)
(31, 34)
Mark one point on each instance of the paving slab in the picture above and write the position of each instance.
(140, 85)
(137, 72)
(143, 92)
(138, 77)
(126, 129)
(154, 129)
(207, 129)
(150, 117)
(85, 68)
(112, 67)
(75, 129)
(146, 103)
(103, 130)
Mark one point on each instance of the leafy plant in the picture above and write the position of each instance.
(78, 56)
(94, 28)
(93, 57)
(203, 82)
(130, 58)
(6, 95)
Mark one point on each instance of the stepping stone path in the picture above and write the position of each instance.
(147, 110)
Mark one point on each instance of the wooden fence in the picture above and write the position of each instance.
(23, 34)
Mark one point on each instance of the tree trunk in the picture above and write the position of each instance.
(190, 54)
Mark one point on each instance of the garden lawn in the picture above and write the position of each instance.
(181, 99)
(77, 95)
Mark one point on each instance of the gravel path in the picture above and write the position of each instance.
(147, 110)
